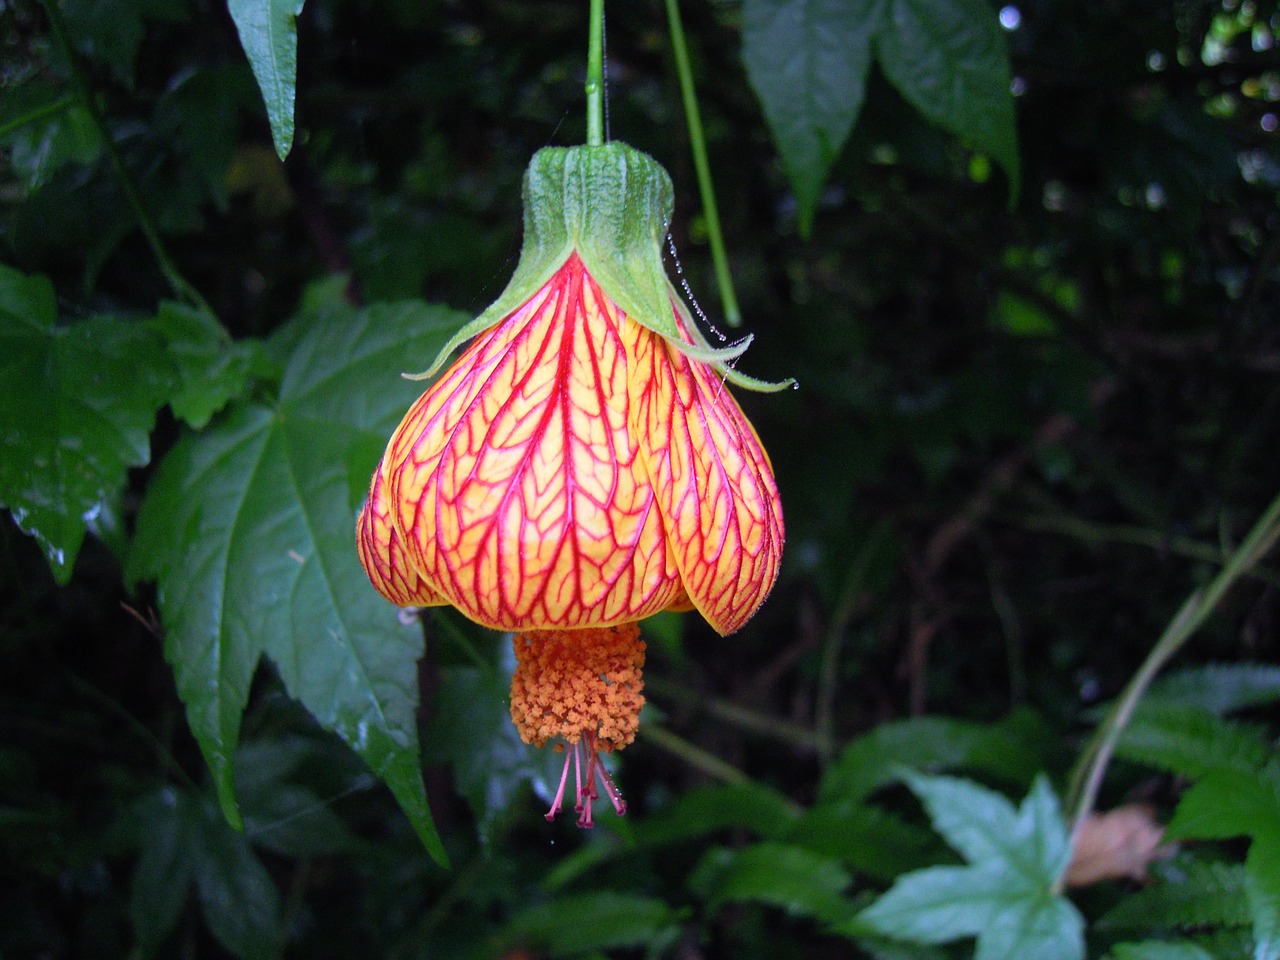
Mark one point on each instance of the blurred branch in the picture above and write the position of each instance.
(927, 614)
(792, 734)
(851, 599)
(1260, 276)
(1091, 532)
(1192, 348)
(328, 243)
(1010, 624)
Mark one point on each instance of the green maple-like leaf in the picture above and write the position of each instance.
(1004, 896)
(212, 368)
(248, 529)
(77, 413)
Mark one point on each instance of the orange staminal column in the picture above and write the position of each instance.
(584, 688)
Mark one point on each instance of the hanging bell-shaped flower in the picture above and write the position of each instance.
(582, 464)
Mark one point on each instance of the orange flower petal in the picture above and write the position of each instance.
(520, 494)
(712, 479)
(383, 556)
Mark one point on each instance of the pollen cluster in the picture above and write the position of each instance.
(568, 683)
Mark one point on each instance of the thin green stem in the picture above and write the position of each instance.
(443, 621)
(1087, 777)
(698, 144)
(595, 75)
(39, 113)
(846, 606)
(177, 283)
(691, 754)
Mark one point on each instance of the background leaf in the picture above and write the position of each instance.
(77, 415)
(1159, 950)
(872, 841)
(948, 58)
(1231, 803)
(185, 843)
(1219, 688)
(1188, 740)
(708, 810)
(45, 129)
(1226, 803)
(471, 729)
(1186, 893)
(266, 499)
(269, 34)
(592, 921)
(808, 62)
(796, 880)
(1262, 886)
(876, 759)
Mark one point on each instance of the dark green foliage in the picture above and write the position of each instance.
(809, 62)
(1190, 893)
(1026, 275)
(79, 412)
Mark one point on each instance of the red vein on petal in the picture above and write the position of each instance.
(383, 556)
(521, 497)
(712, 479)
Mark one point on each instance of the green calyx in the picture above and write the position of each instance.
(611, 204)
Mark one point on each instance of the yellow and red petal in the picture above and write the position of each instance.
(517, 484)
(712, 479)
(382, 553)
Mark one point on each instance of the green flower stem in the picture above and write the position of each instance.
(595, 75)
(1086, 779)
(698, 144)
(177, 283)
